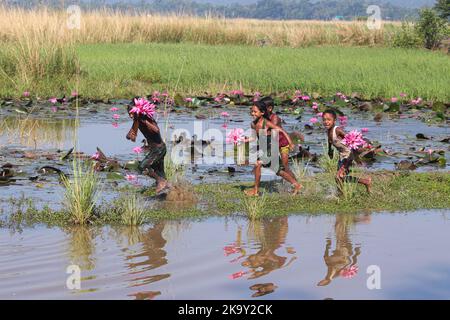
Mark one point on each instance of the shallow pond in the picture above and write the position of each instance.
(228, 258)
(32, 141)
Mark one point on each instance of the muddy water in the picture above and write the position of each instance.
(38, 134)
(282, 258)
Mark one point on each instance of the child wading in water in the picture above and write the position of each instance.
(153, 163)
(262, 122)
(335, 135)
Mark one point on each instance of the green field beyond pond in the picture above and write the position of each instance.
(125, 70)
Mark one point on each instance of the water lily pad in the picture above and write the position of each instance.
(132, 165)
(114, 176)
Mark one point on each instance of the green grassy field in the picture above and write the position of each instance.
(125, 70)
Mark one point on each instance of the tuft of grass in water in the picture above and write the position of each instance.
(174, 172)
(254, 207)
(81, 192)
(347, 190)
(132, 211)
(300, 169)
(329, 165)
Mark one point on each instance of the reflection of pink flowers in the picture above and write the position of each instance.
(114, 109)
(131, 177)
(235, 136)
(116, 116)
(313, 120)
(354, 140)
(224, 126)
(95, 156)
(143, 106)
(54, 109)
(349, 272)
(53, 100)
(115, 124)
(137, 150)
(238, 275)
(227, 250)
(364, 130)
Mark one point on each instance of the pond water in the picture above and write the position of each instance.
(297, 257)
(42, 135)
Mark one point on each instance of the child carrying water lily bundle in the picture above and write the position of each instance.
(346, 145)
(142, 112)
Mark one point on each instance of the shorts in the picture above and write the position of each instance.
(154, 160)
(266, 158)
(346, 164)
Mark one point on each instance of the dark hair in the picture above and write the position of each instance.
(332, 112)
(262, 107)
(268, 101)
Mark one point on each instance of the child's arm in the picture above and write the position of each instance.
(151, 125)
(276, 120)
(340, 133)
(133, 131)
(273, 126)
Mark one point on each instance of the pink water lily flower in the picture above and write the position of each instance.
(74, 93)
(364, 130)
(315, 106)
(343, 120)
(394, 99)
(137, 150)
(313, 120)
(131, 177)
(306, 98)
(235, 136)
(349, 272)
(320, 114)
(143, 106)
(53, 100)
(95, 156)
(225, 114)
(116, 116)
(26, 93)
(237, 92)
(188, 100)
(354, 140)
(403, 95)
(114, 109)
(417, 101)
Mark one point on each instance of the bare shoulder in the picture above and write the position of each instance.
(340, 132)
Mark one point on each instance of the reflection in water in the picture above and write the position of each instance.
(81, 240)
(153, 255)
(37, 132)
(343, 260)
(270, 235)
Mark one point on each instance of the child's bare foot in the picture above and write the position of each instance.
(369, 185)
(252, 192)
(297, 189)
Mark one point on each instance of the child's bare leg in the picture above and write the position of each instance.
(286, 176)
(367, 182)
(285, 162)
(257, 171)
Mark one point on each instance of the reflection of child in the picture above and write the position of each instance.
(343, 257)
(335, 135)
(153, 163)
(262, 123)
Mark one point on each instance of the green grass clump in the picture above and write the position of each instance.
(133, 210)
(81, 192)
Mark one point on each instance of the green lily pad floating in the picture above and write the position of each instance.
(442, 161)
(114, 176)
(132, 165)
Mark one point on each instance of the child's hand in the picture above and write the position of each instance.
(131, 136)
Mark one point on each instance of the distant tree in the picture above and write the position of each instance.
(443, 8)
(431, 28)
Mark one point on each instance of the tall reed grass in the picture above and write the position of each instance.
(81, 192)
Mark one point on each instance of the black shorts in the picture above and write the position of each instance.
(346, 164)
(154, 160)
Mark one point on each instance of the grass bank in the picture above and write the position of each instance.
(392, 191)
(126, 70)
